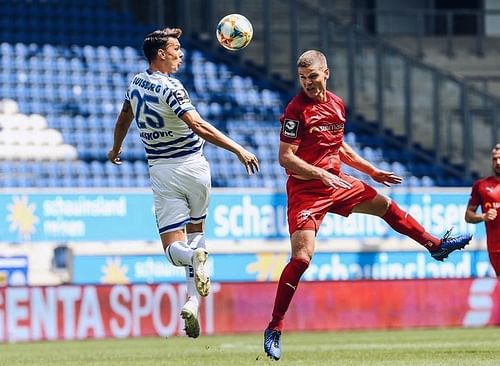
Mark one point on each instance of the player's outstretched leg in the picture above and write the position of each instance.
(449, 244)
(189, 313)
(201, 279)
(272, 343)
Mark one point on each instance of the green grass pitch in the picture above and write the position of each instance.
(398, 347)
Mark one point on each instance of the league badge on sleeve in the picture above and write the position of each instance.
(290, 128)
(182, 96)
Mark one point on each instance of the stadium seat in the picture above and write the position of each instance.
(73, 75)
(61, 257)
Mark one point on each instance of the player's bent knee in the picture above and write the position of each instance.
(382, 202)
(302, 255)
(171, 237)
(179, 253)
(377, 206)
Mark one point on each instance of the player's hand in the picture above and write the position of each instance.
(490, 215)
(249, 160)
(385, 177)
(332, 180)
(114, 156)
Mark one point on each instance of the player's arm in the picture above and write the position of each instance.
(472, 217)
(302, 169)
(353, 159)
(350, 157)
(211, 134)
(121, 128)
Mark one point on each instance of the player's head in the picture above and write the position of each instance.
(163, 49)
(313, 73)
(495, 160)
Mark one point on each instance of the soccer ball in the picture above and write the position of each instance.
(234, 32)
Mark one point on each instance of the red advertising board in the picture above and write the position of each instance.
(79, 312)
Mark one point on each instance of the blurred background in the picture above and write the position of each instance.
(421, 81)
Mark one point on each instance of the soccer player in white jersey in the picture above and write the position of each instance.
(173, 134)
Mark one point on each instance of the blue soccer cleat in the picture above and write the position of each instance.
(449, 244)
(272, 343)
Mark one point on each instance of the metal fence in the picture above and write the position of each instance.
(451, 121)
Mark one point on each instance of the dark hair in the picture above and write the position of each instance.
(158, 40)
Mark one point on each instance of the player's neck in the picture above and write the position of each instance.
(319, 98)
(322, 97)
(157, 68)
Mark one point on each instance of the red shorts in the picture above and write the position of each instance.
(495, 261)
(310, 200)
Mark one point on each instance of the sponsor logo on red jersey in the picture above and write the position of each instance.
(335, 128)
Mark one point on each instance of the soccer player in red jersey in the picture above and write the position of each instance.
(486, 193)
(312, 149)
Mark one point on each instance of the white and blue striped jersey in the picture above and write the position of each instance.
(158, 101)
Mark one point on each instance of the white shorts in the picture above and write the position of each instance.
(181, 193)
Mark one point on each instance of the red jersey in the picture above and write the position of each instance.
(486, 193)
(317, 128)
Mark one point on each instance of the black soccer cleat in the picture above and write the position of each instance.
(450, 244)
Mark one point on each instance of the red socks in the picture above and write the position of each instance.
(287, 285)
(405, 224)
(398, 219)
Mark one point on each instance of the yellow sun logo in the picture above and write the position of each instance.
(22, 217)
(268, 266)
(114, 273)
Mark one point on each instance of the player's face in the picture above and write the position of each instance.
(171, 55)
(313, 81)
(495, 162)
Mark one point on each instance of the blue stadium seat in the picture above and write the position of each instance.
(72, 63)
(141, 168)
(60, 259)
(427, 181)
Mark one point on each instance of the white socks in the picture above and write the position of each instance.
(195, 240)
(179, 254)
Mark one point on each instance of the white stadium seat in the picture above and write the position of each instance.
(25, 137)
(8, 106)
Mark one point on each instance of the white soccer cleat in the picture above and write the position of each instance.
(189, 313)
(201, 279)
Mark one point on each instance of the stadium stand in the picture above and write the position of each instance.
(68, 77)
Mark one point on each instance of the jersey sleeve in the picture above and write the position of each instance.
(178, 99)
(475, 197)
(127, 94)
(291, 125)
(342, 104)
